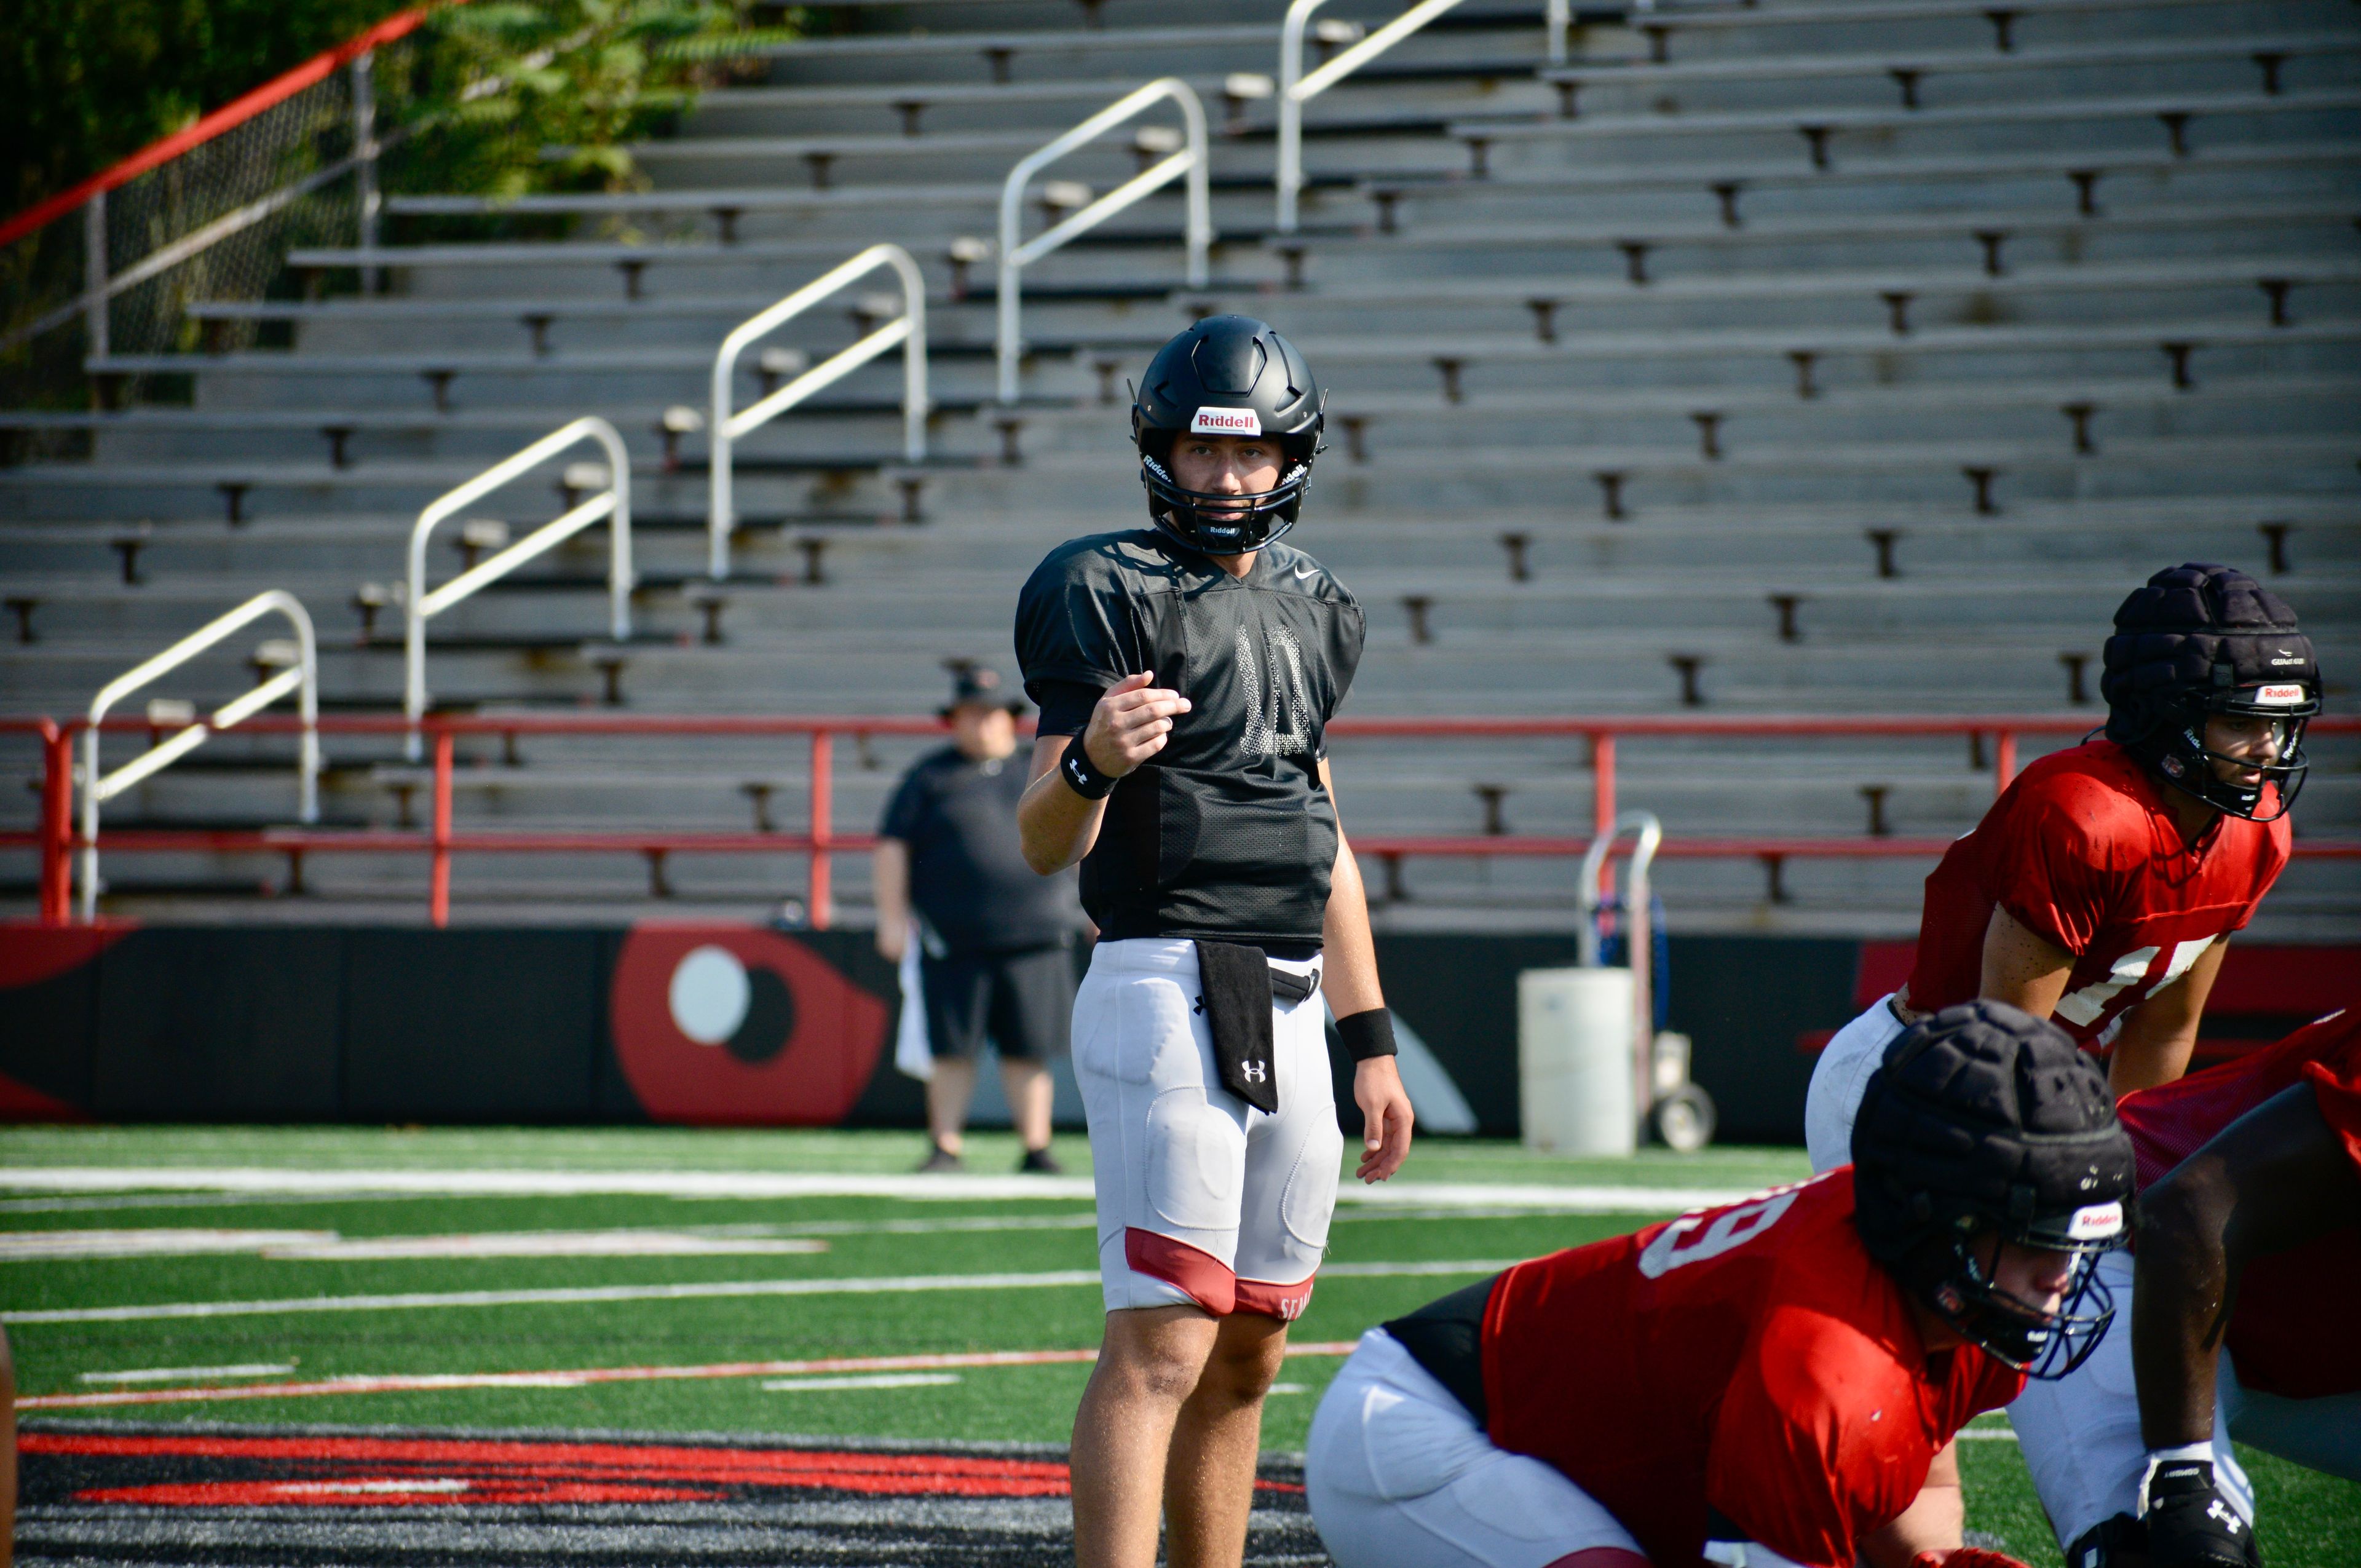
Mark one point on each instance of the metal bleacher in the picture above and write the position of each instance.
(1821, 357)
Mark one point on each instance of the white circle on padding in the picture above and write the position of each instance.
(709, 994)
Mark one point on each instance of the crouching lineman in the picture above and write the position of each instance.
(1763, 1385)
(2100, 887)
(2250, 1174)
(1186, 675)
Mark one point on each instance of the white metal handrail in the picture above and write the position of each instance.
(908, 330)
(1639, 936)
(614, 503)
(1190, 161)
(303, 679)
(1295, 89)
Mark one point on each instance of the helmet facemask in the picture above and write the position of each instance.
(1215, 524)
(2175, 749)
(2044, 1342)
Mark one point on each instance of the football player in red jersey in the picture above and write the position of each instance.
(2100, 888)
(1761, 1384)
(2251, 1179)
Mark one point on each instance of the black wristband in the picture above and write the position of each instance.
(1082, 775)
(1367, 1034)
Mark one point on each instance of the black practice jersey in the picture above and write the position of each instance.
(1226, 833)
(968, 875)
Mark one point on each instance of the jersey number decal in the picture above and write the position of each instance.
(1733, 1227)
(1278, 709)
(2084, 1006)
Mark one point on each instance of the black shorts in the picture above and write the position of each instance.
(1023, 1001)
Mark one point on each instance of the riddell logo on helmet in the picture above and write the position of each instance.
(2095, 1223)
(2278, 696)
(1227, 422)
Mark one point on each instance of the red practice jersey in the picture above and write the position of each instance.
(2082, 849)
(2292, 1331)
(1754, 1360)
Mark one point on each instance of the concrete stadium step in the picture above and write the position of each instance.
(1941, 78)
(1715, 32)
(2138, 122)
(1736, 193)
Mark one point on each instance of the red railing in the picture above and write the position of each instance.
(229, 117)
(56, 839)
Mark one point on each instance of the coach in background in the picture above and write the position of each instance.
(1186, 675)
(995, 942)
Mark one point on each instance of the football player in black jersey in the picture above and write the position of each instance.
(1186, 674)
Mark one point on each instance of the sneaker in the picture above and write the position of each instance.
(940, 1160)
(1041, 1162)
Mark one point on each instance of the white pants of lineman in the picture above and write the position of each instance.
(1838, 1080)
(1201, 1198)
(1398, 1476)
(2082, 1436)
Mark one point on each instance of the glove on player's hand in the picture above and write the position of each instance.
(2190, 1524)
(1965, 1557)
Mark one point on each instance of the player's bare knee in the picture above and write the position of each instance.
(1246, 1358)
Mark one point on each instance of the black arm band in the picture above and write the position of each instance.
(1367, 1034)
(1081, 776)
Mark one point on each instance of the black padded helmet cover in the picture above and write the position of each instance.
(1984, 1112)
(2201, 633)
(1227, 376)
(1985, 1120)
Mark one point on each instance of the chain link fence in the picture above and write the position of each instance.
(86, 298)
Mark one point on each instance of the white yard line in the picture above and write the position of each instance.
(586, 1377)
(890, 1285)
(168, 1374)
(868, 1380)
(509, 1183)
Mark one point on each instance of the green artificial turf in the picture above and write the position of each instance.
(2308, 1520)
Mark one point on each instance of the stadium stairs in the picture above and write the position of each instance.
(1809, 357)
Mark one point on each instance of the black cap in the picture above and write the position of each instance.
(978, 686)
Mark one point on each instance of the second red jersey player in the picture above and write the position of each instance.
(2083, 850)
(2100, 888)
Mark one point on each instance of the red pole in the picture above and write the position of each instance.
(1602, 799)
(57, 825)
(2003, 761)
(438, 895)
(823, 758)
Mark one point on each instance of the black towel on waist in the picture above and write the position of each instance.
(1235, 983)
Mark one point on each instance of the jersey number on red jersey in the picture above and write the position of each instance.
(1733, 1227)
(2085, 1005)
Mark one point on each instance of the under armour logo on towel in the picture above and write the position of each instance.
(1200, 1005)
(1278, 707)
(1256, 1072)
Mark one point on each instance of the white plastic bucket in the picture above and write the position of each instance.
(1574, 1061)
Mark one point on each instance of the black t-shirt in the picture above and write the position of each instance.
(1226, 834)
(968, 875)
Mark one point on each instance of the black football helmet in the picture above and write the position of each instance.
(2201, 640)
(1985, 1121)
(1227, 376)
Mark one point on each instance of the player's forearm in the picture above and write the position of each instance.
(1055, 827)
(2180, 1301)
(1348, 970)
